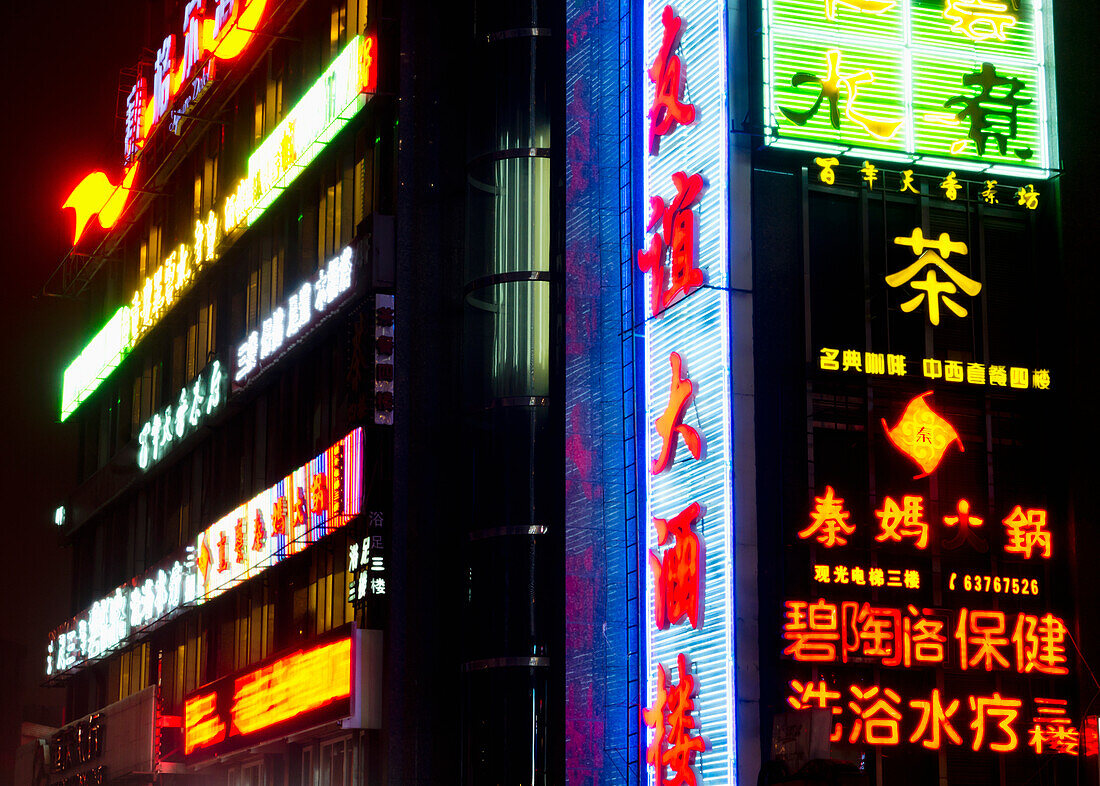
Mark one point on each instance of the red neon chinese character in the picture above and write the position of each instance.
(299, 518)
(670, 423)
(135, 108)
(673, 744)
(984, 633)
(278, 517)
(1027, 531)
(676, 239)
(239, 546)
(223, 563)
(318, 494)
(995, 707)
(259, 531)
(964, 521)
(935, 720)
(879, 721)
(667, 110)
(1040, 644)
(922, 435)
(903, 522)
(809, 695)
(1053, 729)
(676, 585)
(829, 521)
(928, 641)
(874, 632)
(814, 629)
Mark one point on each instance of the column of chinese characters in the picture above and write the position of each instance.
(676, 563)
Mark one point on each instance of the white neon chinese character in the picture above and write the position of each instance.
(49, 659)
(181, 414)
(214, 392)
(192, 36)
(344, 268)
(363, 578)
(196, 403)
(82, 637)
(143, 443)
(155, 436)
(160, 597)
(166, 432)
(300, 308)
(378, 586)
(223, 13)
(246, 356)
(320, 300)
(273, 333)
(162, 77)
(135, 108)
(353, 556)
(175, 585)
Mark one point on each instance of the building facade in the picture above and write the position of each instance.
(592, 392)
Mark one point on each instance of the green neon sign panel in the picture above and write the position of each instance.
(958, 84)
(100, 357)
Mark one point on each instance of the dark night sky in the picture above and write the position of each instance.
(61, 66)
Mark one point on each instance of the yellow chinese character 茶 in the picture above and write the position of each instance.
(933, 255)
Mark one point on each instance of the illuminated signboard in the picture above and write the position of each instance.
(96, 362)
(336, 96)
(313, 500)
(307, 687)
(383, 359)
(283, 520)
(688, 610)
(221, 36)
(959, 84)
(287, 324)
(196, 401)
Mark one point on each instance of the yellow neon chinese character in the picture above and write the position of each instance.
(1040, 379)
(979, 20)
(1028, 196)
(852, 360)
(998, 376)
(826, 175)
(990, 193)
(931, 287)
(951, 186)
(907, 181)
(875, 363)
(870, 173)
(211, 235)
(829, 89)
(1017, 377)
(863, 6)
(953, 371)
(858, 576)
(975, 373)
(821, 574)
(911, 579)
(933, 369)
(895, 365)
(828, 360)
(840, 574)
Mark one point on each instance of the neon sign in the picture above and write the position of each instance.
(284, 325)
(235, 710)
(196, 401)
(897, 365)
(957, 84)
(687, 450)
(324, 111)
(923, 435)
(315, 499)
(336, 96)
(96, 362)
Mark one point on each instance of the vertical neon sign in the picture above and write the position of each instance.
(688, 613)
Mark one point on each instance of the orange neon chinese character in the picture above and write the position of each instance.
(928, 641)
(223, 563)
(318, 494)
(879, 721)
(1027, 532)
(669, 424)
(810, 695)
(829, 521)
(964, 521)
(676, 585)
(935, 720)
(674, 241)
(667, 110)
(1040, 644)
(995, 707)
(673, 744)
(903, 522)
(1053, 728)
(299, 518)
(870, 632)
(278, 517)
(813, 629)
(259, 532)
(922, 435)
(983, 633)
(239, 547)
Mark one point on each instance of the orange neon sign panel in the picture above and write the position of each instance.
(240, 708)
(923, 435)
(97, 196)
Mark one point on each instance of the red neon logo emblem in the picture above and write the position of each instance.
(97, 196)
(922, 435)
